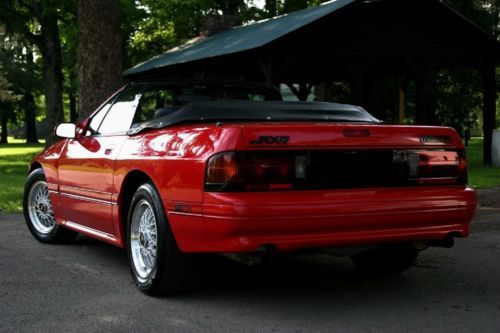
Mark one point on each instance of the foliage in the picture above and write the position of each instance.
(36, 22)
(24, 76)
(484, 13)
(162, 25)
(6, 93)
(279, 7)
(458, 101)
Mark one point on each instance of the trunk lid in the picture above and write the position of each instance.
(344, 136)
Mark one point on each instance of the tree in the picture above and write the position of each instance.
(69, 42)
(27, 102)
(458, 101)
(279, 7)
(37, 21)
(7, 96)
(6, 93)
(99, 52)
(23, 72)
(484, 13)
(162, 25)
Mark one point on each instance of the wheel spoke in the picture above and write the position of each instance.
(143, 239)
(40, 208)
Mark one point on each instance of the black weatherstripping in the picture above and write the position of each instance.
(274, 111)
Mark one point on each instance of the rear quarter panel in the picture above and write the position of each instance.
(174, 158)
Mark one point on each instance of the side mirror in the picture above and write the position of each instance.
(66, 130)
(81, 128)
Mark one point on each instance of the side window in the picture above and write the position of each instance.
(97, 119)
(153, 102)
(120, 116)
(157, 101)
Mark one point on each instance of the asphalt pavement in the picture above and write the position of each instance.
(86, 286)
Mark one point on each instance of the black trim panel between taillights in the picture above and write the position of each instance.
(252, 170)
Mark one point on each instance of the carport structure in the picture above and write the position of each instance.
(353, 41)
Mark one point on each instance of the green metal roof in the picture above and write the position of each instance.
(239, 38)
(258, 34)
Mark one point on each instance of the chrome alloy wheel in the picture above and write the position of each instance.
(40, 208)
(143, 239)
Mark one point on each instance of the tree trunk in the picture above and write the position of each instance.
(30, 118)
(52, 73)
(3, 139)
(99, 52)
(73, 112)
(489, 109)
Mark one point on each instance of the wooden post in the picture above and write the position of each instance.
(272, 70)
(267, 69)
(489, 108)
(320, 91)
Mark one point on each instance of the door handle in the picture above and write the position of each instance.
(108, 151)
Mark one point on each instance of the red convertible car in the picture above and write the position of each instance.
(168, 170)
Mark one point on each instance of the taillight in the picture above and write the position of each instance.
(222, 169)
(250, 171)
(433, 167)
(462, 167)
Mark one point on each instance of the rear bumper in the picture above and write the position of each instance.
(242, 222)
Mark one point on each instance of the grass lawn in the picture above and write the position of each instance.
(14, 159)
(480, 176)
(15, 156)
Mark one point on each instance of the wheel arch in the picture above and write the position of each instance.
(34, 166)
(130, 184)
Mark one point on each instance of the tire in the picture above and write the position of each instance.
(387, 259)
(38, 212)
(158, 267)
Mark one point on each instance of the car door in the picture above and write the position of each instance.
(86, 165)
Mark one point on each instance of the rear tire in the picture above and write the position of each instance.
(158, 267)
(38, 212)
(387, 259)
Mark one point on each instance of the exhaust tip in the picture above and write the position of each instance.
(446, 242)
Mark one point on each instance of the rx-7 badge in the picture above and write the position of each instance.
(266, 139)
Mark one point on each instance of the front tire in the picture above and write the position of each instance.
(158, 266)
(387, 259)
(38, 212)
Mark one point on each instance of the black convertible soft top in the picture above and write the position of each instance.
(232, 110)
